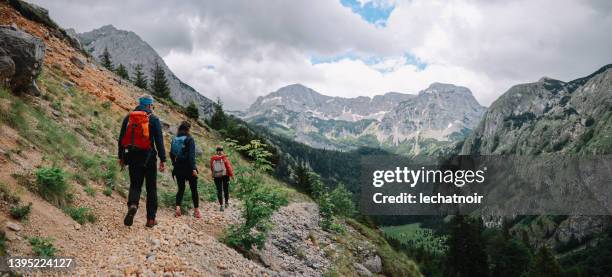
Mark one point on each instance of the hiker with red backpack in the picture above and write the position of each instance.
(222, 171)
(182, 155)
(140, 141)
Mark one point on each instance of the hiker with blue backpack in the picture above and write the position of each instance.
(182, 155)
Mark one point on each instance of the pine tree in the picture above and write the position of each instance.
(218, 120)
(511, 258)
(192, 111)
(159, 84)
(140, 80)
(122, 72)
(106, 60)
(466, 254)
(545, 264)
(301, 176)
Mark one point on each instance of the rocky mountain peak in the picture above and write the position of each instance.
(127, 48)
(446, 88)
(296, 90)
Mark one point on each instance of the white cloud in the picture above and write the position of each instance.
(238, 50)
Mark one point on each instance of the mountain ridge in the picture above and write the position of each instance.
(127, 48)
(387, 120)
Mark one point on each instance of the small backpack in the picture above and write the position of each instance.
(177, 148)
(137, 133)
(219, 169)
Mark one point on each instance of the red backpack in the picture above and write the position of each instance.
(137, 132)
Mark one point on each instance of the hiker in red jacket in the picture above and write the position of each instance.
(222, 171)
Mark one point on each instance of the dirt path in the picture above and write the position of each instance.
(183, 246)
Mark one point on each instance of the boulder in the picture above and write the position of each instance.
(362, 270)
(373, 264)
(13, 226)
(26, 53)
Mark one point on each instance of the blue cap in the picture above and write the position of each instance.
(145, 100)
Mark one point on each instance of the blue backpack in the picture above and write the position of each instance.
(177, 148)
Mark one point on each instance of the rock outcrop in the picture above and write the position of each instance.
(21, 59)
(549, 116)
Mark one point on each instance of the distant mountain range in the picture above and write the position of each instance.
(407, 123)
(129, 49)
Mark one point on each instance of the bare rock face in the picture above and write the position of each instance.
(548, 116)
(21, 59)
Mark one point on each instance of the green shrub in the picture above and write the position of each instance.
(52, 186)
(258, 207)
(326, 212)
(342, 199)
(90, 191)
(81, 214)
(261, 200)
(106, 105)
(108, 191)
(192, 111)
(56, 105)
(42, 246)
(6, 194)
(244, 238)
(21, 212)
(261, 204)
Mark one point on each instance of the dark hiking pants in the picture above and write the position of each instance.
(193, 185)
(222, 184)
(143, 173)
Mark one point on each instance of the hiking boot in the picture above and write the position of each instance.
(226, 205)
(129, 217)
(197, 213)
(151, 223)
(221, 208)
(177, 213)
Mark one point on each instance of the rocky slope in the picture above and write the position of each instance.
(442, 113)
(73, 125)
(129, 49)
(550, 116)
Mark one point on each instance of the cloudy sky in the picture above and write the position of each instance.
(238, 50)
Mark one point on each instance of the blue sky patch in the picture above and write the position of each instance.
(372, 12)
(410, 59)
(414, 60)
